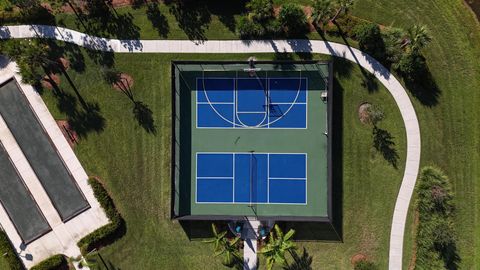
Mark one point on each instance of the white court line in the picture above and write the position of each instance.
(233, 155)
(235, 103)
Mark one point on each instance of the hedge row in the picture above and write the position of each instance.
(55, 262)
(107, 233)
(8, 252)
(435, 236)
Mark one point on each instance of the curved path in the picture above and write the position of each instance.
(268, 46)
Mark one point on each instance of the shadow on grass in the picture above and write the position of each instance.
(201, 229)
(158, 20)
(193, 18)
(226, 13)
(83, 119)
(449, 255)
(383, 143)
(423, 86)
(303, 262)
(141, 111)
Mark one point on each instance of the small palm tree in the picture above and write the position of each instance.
(218, 238)
(226, 247)
(230, 252)
(418, 38)
(278, 244)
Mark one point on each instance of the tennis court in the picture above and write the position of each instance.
(251, 178)
(255, 102)
(251, 141)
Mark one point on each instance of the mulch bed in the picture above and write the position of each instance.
(358, 258)
(64, 62)
(126, 81)
(68, 132)
(47, 81)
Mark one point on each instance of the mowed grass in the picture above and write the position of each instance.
(450, 130)
(135, 166)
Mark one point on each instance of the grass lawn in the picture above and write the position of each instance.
(449, 125)
(450, 130)
(136, 166)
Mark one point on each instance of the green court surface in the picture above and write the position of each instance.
(191, 139)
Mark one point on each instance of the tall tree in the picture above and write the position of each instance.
(31, 56)
(278, 244)
(323, 11)
(342, 6)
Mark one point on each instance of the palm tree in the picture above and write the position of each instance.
(224, 246)
(322, 12)
(417, 38)
(342, 7)
(278, 244)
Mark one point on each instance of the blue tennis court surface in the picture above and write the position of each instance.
(252, 102)
(251, 178)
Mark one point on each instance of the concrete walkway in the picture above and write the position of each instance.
(268, 46)
(250, 235)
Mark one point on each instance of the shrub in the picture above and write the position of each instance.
(249, 29)
(344, 25)
(260, 10)
(107, 233)
(55, 262)
(293, 19)
(370, 40)
(365, 265)
(435, 236)
(392, 38)
(411, 65)
(9, 253)
(375, 114)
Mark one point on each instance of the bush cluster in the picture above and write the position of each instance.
(261, 22)
(435, 236)
(107, 233)
(55, 262)
(9, 253)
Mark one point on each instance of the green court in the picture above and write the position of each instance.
(252, 140)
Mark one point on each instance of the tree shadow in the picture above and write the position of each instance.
(422, 86)
(144, 116)
(449, 255)
(158, 20)
(303, 262)
(383, 143)
(226, 13)
(142, 113)
(83, 120)
(369, 81)
(193, 18)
